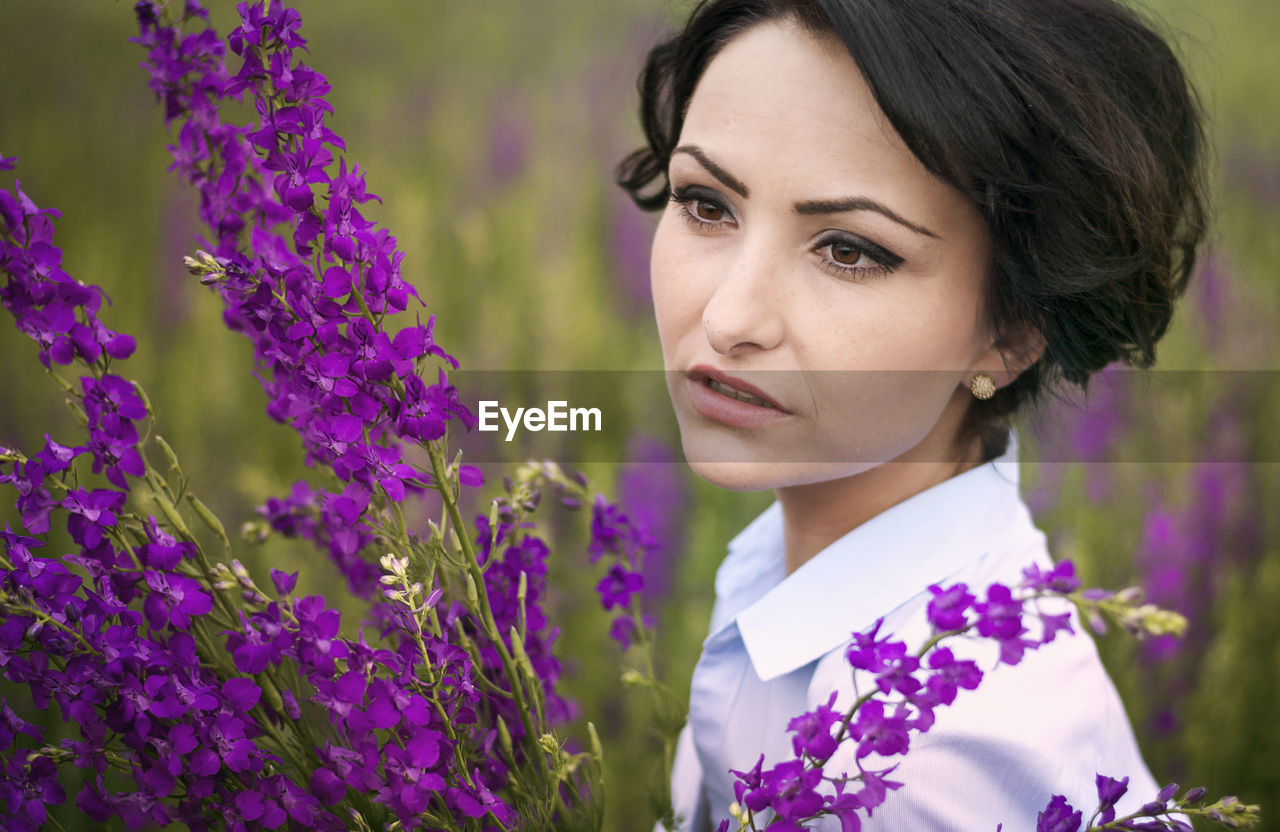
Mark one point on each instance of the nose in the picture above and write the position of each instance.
(743, 310)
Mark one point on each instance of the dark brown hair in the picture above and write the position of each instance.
(1070, 124)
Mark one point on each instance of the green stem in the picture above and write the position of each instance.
(43, 616)
(444, 486)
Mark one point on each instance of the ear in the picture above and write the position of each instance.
(1005, 359)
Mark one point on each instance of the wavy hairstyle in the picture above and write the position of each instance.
(1070, 124)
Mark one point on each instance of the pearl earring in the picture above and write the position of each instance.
(982, 386)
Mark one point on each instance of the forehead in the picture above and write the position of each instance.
(781, 103)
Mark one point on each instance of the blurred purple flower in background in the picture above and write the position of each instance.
(653, 489)
(630, 236)
(1213, 293)
(1105, 417)
(508, 137)
(1187, 553)
(1253, 170)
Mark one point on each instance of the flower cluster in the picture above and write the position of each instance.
(1165, 812)
(317, 304)
(60, 314)
(200, 697)
(910, 685)
(215, 736)
(625, 541)
(130, 678)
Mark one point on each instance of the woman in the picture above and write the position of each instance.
(890, 226)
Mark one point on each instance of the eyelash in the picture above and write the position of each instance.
(886, 261)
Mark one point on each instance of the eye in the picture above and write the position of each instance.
(699, 206)
(854, 258)
(700, 209)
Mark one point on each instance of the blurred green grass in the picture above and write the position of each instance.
(490, 132)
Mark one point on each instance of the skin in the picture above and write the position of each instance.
(789, 118)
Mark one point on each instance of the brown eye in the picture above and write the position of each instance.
(716, 211)
(841, 251)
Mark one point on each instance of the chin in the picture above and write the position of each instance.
(736, 476)
(761, 476)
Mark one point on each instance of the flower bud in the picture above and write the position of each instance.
(1129, 595)
(255, 531)
(1159, 622)
(222, 577)
(631, 676)
(596, 748)
(504, 739)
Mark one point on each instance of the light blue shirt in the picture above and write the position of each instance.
(997, 755)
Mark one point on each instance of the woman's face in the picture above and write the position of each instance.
(810, 254)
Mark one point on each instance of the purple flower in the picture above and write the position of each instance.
(618, 585)
(1054, 624)
(812, 731)
(284, 581)
(241, 694)
(623, 629)
(1000, 616)
(163, 551)
(1110, 791)
(27, 787)
(327, 786)
(880, 732)
(1061, 578)
(876, 656)
(948, 607)
(948, 676)
(608, 528)
(792, 790)
(174, 599)
(1058, 816)
(89, 512)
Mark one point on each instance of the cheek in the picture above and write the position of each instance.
(889, 367)
(905, 323)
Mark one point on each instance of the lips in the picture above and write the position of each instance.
(699, 373)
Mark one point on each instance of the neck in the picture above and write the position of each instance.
(817, 514)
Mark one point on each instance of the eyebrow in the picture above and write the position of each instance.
(808, 207)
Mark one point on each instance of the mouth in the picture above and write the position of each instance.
(734, 388)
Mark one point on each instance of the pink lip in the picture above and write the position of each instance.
(725, 409)
(699, 372)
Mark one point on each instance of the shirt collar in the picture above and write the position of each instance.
(870, 571)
